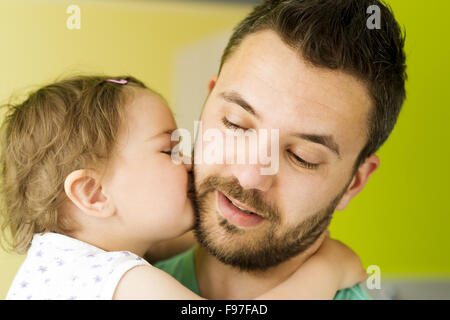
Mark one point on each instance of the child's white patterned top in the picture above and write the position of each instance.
(61, 267)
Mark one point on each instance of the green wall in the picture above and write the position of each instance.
(401, 220)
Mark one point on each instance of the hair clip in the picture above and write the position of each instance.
(121, 81)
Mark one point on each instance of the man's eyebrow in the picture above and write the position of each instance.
(236, 98)
(325, 140)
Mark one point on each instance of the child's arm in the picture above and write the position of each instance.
(150, 283)
(333, 267)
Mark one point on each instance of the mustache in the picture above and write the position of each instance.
(232, 188)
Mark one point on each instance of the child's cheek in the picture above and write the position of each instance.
(174, 176)
(179, 180)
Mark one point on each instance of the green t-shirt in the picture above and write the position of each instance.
(181, 267)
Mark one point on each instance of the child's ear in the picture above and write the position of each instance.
(84, 189)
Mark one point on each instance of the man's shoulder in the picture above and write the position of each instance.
(182, 268)
(175, 263)
(353, 293)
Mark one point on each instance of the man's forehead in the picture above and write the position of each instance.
(282, 86)
(264, 63)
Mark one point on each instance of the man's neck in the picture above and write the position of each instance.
(220, 281)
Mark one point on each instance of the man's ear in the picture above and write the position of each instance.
(359, 180)
(84, 189)
(212, 83)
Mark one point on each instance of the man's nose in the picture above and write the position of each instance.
(250, 177)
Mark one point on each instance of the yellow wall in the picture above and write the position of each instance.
(116, 37)
(401, 220)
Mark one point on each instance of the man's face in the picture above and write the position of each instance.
(321, 116)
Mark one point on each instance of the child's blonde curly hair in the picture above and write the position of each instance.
(62, 127)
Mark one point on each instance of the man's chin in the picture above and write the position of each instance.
(246, 250)
(258, 249)
(241, 259)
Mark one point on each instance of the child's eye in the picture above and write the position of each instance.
(169, 153)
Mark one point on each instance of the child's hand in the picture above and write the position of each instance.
(346, 267)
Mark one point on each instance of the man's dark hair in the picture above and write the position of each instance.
(333, 34)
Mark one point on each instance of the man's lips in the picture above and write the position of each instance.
(228, 208)
(240, 205)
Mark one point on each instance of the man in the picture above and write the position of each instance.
(333, 88)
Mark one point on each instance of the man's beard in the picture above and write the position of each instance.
(252, 250)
